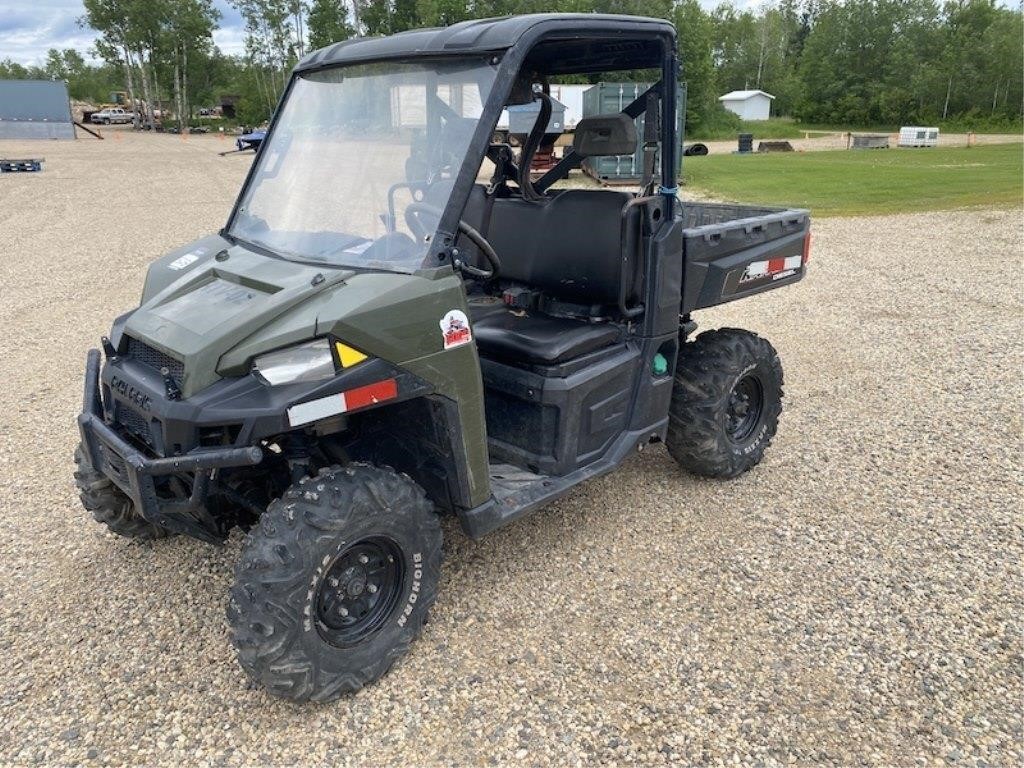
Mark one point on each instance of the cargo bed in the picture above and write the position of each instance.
(733, 251)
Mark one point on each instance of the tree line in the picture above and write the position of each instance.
(870, 62)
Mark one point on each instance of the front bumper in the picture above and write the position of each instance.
(135, 473)
(135, 435)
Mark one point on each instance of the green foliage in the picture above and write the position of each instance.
(827, 62)
(847, 183)
(910, 61)
(328, 23)
(162, 48)
(698, 69)
(980, 122)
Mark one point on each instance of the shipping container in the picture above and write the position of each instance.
(609, 98)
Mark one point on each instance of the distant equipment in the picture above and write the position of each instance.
(570, 95)
(247, 141)
(251, 140)
(227, 104)
(745, 143)
(695, 150)
(869, 141)
(521, 119)
(917, 136)
(35, 109)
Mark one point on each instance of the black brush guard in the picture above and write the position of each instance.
(135, 473)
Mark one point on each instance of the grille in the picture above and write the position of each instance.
(155, 359)
(135, 423)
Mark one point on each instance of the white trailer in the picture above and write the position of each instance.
(916, 136)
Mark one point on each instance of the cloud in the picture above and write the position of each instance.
(15, 22)
(31, 27)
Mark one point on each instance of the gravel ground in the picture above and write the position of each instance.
(857, 599)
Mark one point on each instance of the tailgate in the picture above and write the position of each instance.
(734, 251)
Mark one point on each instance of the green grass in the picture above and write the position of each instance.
(859, 182)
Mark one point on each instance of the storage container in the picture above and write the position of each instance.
(609, 98)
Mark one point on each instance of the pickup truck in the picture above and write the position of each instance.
(111, 115)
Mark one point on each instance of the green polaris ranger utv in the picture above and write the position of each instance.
(399, 320)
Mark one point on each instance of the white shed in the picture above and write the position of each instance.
(749, 105)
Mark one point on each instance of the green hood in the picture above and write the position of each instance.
(202, 300)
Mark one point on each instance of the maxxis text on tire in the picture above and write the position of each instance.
(726, 402)
(286, 633)
(109, 505)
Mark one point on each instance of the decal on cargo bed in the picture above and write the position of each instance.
(776, 269)
(455, 329)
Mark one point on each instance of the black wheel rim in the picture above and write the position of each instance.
(746, 404)
(359, 591)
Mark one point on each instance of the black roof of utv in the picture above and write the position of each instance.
(596, 42)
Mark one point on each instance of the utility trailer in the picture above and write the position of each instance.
(375, 338)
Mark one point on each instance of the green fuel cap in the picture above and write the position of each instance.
(660, 365)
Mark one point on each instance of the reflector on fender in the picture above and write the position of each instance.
(349, 400)
(348, 356)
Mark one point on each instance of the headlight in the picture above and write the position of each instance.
(312, 361)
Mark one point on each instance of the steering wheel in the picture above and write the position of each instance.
(412, 218)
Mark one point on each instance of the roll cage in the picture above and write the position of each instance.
(539, 45)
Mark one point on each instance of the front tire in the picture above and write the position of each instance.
(109, 504)
(335, 582)
(726, 402)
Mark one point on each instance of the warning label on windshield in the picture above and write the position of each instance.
(455, 329)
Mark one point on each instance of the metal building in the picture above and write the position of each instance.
(35, 109)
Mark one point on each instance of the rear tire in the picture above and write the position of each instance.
(335, 582)
(109, 504)
(726, 402)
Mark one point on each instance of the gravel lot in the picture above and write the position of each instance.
(857, 599)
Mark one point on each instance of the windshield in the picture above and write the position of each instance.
(361, 162)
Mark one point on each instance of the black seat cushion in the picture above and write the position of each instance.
(539, 339)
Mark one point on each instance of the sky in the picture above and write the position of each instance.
(28, 28)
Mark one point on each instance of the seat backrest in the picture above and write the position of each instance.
(567, 245)
(604, 136)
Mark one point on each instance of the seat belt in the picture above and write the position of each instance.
(651, 123)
